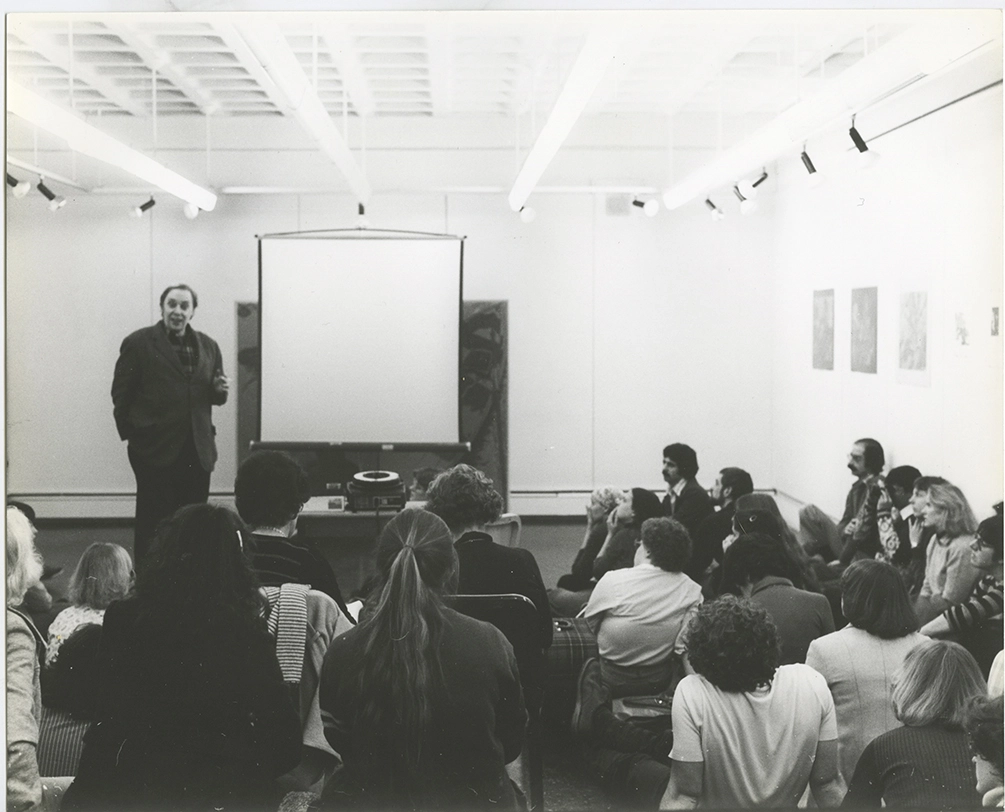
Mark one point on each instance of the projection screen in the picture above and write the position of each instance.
(360, 338)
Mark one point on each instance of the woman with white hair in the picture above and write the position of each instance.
(24, 644)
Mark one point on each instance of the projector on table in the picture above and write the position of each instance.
(376, 490)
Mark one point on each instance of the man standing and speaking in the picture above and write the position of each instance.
(167, 379)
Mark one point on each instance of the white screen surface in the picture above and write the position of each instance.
(360, 340)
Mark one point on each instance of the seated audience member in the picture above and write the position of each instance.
(465, 499)
(192, 713)
(807, 578)
(977, 622)
(39, 604)
(820, 536)
(24, 644)
(573, 589)
(624, 527)
(103, 574)
(925, 764)
(685, 500)
(269, 492)
(758, 564)
(638, 615)
(748, 732)
(918, 535)
(881, 529)
(950, 575)
(423, 703)
(859, 661)
(996, 678)
(730, 485)
(984, 726)
(422, 478)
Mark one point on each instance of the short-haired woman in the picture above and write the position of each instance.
(950, 575)
(976, 623)
(748, 732)
(859, 661)
(104, 574)
(983, 724)
(193, 713)
(423, 704)
(925, 764)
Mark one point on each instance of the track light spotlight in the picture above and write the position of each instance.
(747, 205)
(714, 210)
(527, 214)
(191, 211)
(55, 202)
(815, 177)
(361, 218)
(21, 187)
(866, 156)
(749, 189)
(649, 207)
(143, 208)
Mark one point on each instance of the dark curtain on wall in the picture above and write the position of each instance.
(483, 392)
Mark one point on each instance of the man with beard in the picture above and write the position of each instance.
(730, 485)
(685, 500)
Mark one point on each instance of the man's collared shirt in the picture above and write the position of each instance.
(676, 491)
(186, 346)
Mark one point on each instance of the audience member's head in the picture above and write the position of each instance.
(733, 644)
(666, 543)
(24, 564)
(756, 520)
(730, 485)
(679, 462)
(754, 556)
(866, 457)
(464, 498)
(644, 505)
(947, 511)
(987, 546)
(765, 501)
(919, 493)
(874, 599)
(900, 484)
(270, 489)
(103, 574)
(935, 683)
(985, 732)
(421, 540)
(604, 500)
(197, 564)
(422, 478)
(24, 507)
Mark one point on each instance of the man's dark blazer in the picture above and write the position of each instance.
(706, 542)
(692, 506)
(487, 568)
(156, 404)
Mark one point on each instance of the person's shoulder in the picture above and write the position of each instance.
(791, 676)
(472, 629)
(203, 338)
(142, 335)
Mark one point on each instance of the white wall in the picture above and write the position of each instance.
(926, 217)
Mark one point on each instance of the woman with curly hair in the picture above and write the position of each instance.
(467, 501)
(748, 732)
(983, 724)
(422, 703)
(192, 713)
(925, 764)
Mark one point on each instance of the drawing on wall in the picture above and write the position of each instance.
(914, 330)
(823, 329)
(962, 333)
(864, 329)
(995, 321)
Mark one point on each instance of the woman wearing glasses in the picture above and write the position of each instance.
(977, 622)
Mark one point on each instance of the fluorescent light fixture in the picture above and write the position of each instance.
(82, 137)
(143, 208)
(714, 210)
(591, 64)
(527, 214)
(55, 202)
(270, 48)
(888, 69)
(649, 207)
(21, 187)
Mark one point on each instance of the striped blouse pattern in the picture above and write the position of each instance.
(984, 603)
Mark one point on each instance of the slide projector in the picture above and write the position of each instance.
(376, 490)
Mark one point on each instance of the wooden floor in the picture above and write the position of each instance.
(567, 784)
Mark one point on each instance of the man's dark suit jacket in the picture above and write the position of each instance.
(156, 404)
(487, 568)
(706, 542)
(692, 506)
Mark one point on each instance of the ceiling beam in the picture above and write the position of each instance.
(62, 58)
(160, 61)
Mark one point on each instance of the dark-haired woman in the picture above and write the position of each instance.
(624, 529)
(748, 732)
(422, 703)
(859, 661)
(192, 712)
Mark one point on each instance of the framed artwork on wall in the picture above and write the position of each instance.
(912, 359)
(823, 329)
(864, 329)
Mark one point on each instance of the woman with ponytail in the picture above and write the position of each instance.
(422, 703)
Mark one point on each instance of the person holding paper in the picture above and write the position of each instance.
(167, 379)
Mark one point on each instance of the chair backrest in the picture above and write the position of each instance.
(518, 619)
(505, 530)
